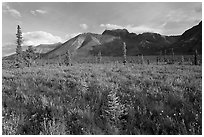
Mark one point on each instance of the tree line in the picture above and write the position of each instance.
(26, 58)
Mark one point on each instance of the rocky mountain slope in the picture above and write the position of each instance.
(81, 45)
(44, 48)
(110, 43)
(189, 41)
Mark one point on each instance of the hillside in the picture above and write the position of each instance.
(189, 41)
(145, 43)
(44, 48)
(80, 45)
(110, 43)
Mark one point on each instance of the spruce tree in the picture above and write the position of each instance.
(165, 59)
(172, 50)
(157, 60)
(30, 55)
(59, 60)
(160, 56)
(19, 56)
(99, 57)
(196, 57)
(182, 60)
(67, 60)
(124, 53)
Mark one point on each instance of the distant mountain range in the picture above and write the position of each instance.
(44, 48)
(110, 43)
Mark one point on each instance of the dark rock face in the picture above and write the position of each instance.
(189, 41)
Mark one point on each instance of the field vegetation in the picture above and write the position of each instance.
(103, 98)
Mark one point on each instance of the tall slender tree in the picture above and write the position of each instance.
(165, 59)
(124, 53)
(142, 59)
(99, 57)
(196, 57)
(160, 56)
(59, 60)
(67, 60)
(172, 51)
(182, 60)
(30, 55)
(19, 56)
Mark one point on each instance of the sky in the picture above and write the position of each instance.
(47, 23)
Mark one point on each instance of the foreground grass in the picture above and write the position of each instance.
(102, 99)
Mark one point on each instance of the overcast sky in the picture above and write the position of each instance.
(58, 22)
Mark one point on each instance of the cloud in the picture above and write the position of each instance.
(69, 36)
(131, 28)
(111, 26)
(39, 37)
(38, 11)
(7, 9)
(198, 8)
(10, 48)
(84, 26)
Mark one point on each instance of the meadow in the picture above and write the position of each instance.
(100, 99)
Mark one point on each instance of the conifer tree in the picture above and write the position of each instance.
(165, 59)
(196, 57)
(124, 53)
(182, 60)
(115, 108)
(19, 56)
(157, 60)
(99, 57)
(59, 60)
(142, 59)
(67, 60)
(160, 56)
(172, 50)
(30, 55)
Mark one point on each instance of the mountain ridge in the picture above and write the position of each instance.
(110, 43)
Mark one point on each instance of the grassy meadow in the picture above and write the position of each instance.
(109, 98)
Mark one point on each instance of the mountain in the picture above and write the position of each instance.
(145, 43)
(110, 43)
(80, 45)
(44, 48)
(189, 41)
(40, 49)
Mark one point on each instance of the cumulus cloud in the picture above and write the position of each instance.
(84, 26)
(131, 28)
(39, 37)
(38, 11)
(111, 26)
(7, 9)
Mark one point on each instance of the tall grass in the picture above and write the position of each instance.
(102, 99)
